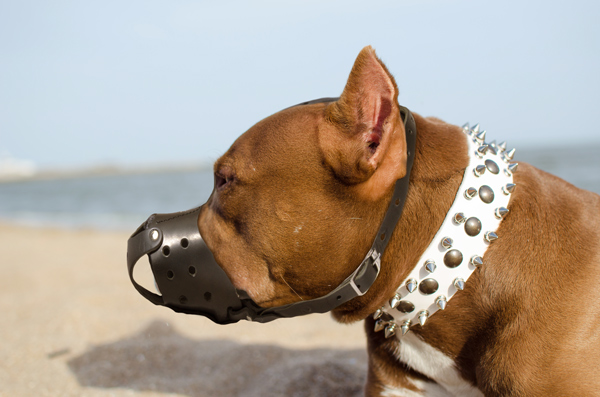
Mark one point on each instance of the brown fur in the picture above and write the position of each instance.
(304, 191)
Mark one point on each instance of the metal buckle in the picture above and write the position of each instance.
(376, 258)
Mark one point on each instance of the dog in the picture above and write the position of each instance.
(300, 196)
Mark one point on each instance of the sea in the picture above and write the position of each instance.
(121, 201)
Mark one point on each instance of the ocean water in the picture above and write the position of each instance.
(123, 201)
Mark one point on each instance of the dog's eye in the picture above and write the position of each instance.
(223, 178)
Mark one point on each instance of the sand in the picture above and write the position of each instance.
(71, 324)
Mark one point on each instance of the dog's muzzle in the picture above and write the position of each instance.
(191, 281)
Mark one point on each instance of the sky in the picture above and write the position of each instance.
(149, 82)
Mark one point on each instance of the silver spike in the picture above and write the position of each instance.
(508, 188)
(476, 260)
(482, 150)
(378, 313)
(390, 330)
(394, 301)
(405, 327)
(423, 316)
(379, 325)
(491, 236)
(501, 212)
(411, 284)
(447, 242)
(459, 218)
(507, 156)
(441, 301)
(466, 127)
(475, 129)
(481, 136)
(502, 146)
(513, 167)
(470, 193)
(459, 283)
(493, 147)
(430, 265)
(479, 170)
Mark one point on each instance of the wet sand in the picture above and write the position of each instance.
(73, 325)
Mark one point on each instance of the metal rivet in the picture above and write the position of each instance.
(428, 286)
(492, 166)
(508, 188)
(154, 234)
(491, 236)
(430, 265)
(470, 193)
(476, 260)
(447, 242)
(394, 301)
(453, 258)
(379, 325)
(511, 168)
(459, 284)
(507, 156)
(378, 313)
(479, 170)
(481, 136)
(405, 307)
(405, 327)
(472, 226)
(411, 285)
(441, 302)
(486, 194)
(459, 218)
(482, 150)
(423, 316)
(501, 212)
(390, 330)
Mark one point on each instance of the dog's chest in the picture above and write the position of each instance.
(432, 363)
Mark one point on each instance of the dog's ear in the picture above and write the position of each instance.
(364, 140)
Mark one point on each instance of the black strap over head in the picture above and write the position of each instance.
(191, 281)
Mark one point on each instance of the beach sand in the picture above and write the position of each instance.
(73, 325)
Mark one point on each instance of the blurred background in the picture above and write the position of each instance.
(111, 110)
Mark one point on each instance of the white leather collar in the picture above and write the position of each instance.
(459, 246)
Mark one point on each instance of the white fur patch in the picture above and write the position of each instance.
(434, 364)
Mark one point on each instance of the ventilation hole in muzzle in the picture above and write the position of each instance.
(166, 250)
(170, 274)
(207, 296)
(185, 242)
(183, 299)
(192, 271)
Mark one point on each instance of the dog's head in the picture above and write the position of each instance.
(298, 198)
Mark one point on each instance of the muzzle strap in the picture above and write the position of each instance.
(142, 242)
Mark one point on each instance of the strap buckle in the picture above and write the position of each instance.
(375, 258)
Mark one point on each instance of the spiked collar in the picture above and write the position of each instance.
(459, 246)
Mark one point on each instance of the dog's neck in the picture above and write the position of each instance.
(460, 244)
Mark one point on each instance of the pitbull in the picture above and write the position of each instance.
(460, 305)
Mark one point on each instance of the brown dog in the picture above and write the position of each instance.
(299, 199)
